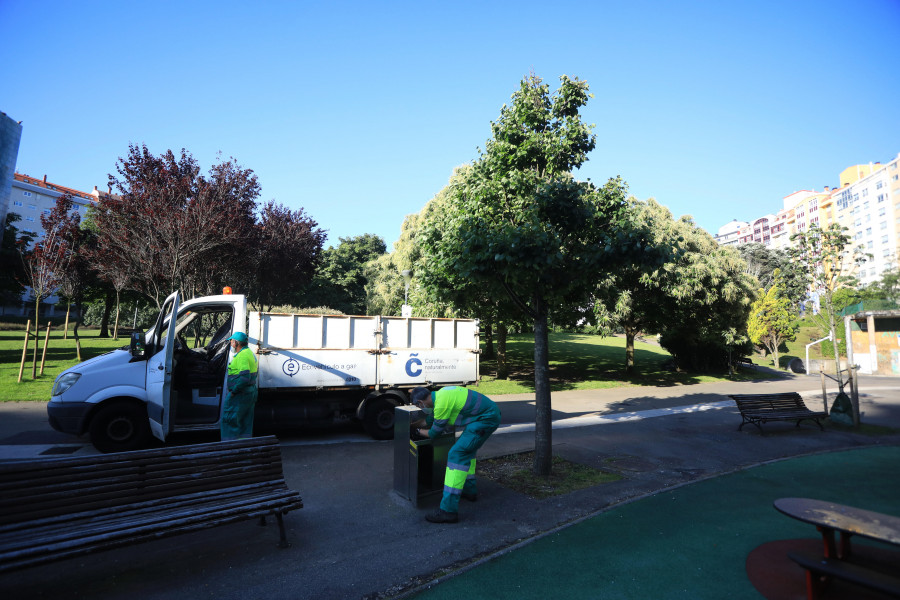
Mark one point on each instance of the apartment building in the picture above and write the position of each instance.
(32, 197)
(869, 207)
(867, 203)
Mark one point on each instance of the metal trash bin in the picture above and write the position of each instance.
(419, 465)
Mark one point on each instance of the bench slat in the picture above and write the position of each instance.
(83, 533)
(760, 408)
(848, 571)
(56, 508)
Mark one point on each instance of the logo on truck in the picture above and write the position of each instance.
(413, 366)
(291, 367)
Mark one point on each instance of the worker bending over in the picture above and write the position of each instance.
(479, 417)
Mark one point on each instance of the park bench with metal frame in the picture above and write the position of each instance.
(837, 560)
(52, 509)
(761, 408)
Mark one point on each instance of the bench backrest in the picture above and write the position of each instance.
(33, 489)
(787, 401)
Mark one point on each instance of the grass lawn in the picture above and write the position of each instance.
(584, 362)
(796, 349)
(576, 362)
(60, 356)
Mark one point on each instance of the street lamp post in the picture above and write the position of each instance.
(406, 310)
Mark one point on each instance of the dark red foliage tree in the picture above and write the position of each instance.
(169, 227)
(287, 249)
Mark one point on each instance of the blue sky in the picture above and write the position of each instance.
(358, 112)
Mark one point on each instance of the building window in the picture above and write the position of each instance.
(882, 197)
(881, 211)
(878, 185)
(26, 194)
(884, 239)
(17, 203)
(868, 231)
(29, 219)
(32, 207)
(883, 225)
(870, 244)
(858, 223)
(47, 211)
(865, 192)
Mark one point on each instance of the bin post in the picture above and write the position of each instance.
(419, 465)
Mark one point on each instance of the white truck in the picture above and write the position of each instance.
(314, 370)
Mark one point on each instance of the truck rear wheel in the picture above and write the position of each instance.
(120, 427)
(379, 418)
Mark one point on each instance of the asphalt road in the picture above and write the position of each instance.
(356, 538)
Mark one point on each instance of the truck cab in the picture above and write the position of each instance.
(170, 379)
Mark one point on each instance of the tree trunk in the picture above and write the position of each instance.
(488, 342)
(66, 326)
(629, 349)
(104, 321)
(116, 326)
(502, 362)
(543, 425)
(829, 306)
(80, 309)
(775, 352)
(37, 311)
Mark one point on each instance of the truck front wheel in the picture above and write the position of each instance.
(379, 418)
(120, 427)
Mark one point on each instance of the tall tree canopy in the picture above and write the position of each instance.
(520, 224)
(285, 250)
(340, 282)
(773, 321)
(630, 292)
(830, 263)
(706, 300)
(168, 223)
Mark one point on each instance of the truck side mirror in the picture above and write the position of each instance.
(138, 349)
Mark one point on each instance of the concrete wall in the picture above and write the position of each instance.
(876, 344)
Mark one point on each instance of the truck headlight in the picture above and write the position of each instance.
(64, 382)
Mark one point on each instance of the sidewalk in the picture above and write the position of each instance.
(354, 538)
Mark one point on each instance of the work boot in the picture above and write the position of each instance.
(473, 497)
(442, 516)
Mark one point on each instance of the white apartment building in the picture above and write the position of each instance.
(870, 209)
(867, 204)
(31, 197)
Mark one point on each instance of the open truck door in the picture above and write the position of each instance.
(160, 367)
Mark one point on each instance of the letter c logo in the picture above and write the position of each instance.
(413, 366)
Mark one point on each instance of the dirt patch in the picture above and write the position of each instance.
(515, 471)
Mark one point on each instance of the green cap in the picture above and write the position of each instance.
(239, 336)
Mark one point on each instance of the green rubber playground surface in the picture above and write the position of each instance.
(689, 542)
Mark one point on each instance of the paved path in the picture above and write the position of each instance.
(356, 539)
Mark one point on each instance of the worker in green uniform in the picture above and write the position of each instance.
(479, 417)
(240, 401)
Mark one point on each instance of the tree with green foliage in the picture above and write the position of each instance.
(519, 222)
(12, 270)
(762, 262)
(772, 321)
(829, 262)
(707, 298)
(340, 282)
(629, 294)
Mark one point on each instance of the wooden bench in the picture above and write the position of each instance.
(51, 509)
(838, 560)
(760, 408)
(819, 570)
